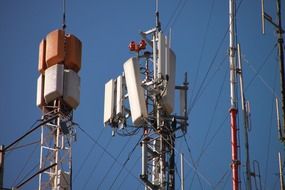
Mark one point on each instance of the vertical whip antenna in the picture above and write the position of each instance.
(245, 119)
(279, 31)
(280, 134)
(64, 15)
(233, 109)
(157, 22)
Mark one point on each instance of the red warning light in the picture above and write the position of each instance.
(133, 46)
(142, 44)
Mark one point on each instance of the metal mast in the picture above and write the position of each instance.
(56, 141)
(58, 93)
(282, 187)
(233, 109)
(279, 32)
(245, 119)
(150, 90)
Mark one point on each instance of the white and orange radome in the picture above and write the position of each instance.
(60, 48)
(59, 64)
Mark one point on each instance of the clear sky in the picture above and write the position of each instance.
(200, 41)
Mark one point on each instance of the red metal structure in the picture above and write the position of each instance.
(235, 162)
(233, 110)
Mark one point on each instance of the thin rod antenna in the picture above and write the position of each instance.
(262, 17)
(157, 22)
(233, 109)
(280, 135)
(279, 32)
(170, 37)
(64, 15)
(245, 120)
(281, 172)
(182, 170)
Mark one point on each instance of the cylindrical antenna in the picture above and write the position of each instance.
(170, 37)
(281, 172)
(233, 109)
(245, 120)
(157, 22)
(182, 170)
(1, 166)
(278, 119)
(279, 31)
(256, 174)
(262, 17)
(64, 15)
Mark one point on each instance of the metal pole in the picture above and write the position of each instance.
(280, 134)
(281, 172)
(144, 159)
(279, 32)
(182, 170)
(233, 109)
(1, 166)
(171, 179)
(162, 161)
(57, 147)
(245, 120)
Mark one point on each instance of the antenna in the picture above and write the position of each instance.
(282, 187)
(245, 120)
(262, 17)
(280, 135)
(158, 26)
(279, 31)
(170, 37)
(58, 93)
(182, 170)
(256, 174)
(64, 15)
(149, 105)
(233, 109)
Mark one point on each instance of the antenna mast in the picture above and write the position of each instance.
(245, 111)
(233, 109)
(151, 105)
(58, 93)
(64, 16)
(279, 32)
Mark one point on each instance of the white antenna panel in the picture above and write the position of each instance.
(161, 55)
(169, 94)
(109, 101)
(135, 91)
(120, 96)
(40, 91)
(53, 85)
(71, 88)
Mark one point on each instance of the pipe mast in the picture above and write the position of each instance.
(280, 32)
(282, 187)
(233, 109)
(245, 120)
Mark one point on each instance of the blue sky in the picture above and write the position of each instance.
(200, 41)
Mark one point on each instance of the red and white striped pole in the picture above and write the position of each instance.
(233, 109)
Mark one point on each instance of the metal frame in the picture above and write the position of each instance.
(56, 147)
